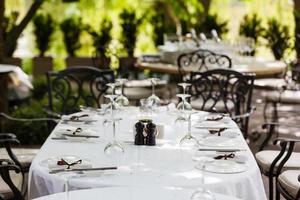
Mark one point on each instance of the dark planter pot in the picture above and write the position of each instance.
(102, 63)
(12, 61)
(127, 67)
(41, 65)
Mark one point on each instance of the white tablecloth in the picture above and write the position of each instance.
(130, 193)
(164, 165)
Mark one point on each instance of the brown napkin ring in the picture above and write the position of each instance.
(225, 156)
(63, 162)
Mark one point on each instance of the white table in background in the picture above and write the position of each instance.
(130, 193)
(164, 165)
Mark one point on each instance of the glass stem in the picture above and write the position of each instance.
(67, 188)
(189, 125)
(152, 88)
(114, 129)
(122, 90)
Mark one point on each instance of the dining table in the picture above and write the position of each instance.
(220, 163)
(129, 193)
(262, 68)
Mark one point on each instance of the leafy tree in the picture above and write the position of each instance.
(9, 33)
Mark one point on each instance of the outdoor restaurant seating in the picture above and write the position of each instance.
(224, 91)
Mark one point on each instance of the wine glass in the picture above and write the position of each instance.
(113, 96)
(184, 86)
(202, 193)
(183, 104)
(154, 99)
(188, 138)
(122, 100)
(114, 145)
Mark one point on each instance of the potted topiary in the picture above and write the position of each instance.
(72, 28)
(251, 27)
(211, 22)
(129, 25)
(278, 38)
(43, 28)
(101, 42)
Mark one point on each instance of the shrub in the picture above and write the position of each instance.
(251, 27)
(278, 38)
(43, 28)
(71, 28)
(211, 22)
(129, 24)
(102, 38)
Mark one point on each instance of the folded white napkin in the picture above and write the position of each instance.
(85, 118)
(52, 165)
(230, 133)
(69, 130)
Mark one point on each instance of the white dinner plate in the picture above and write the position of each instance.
(219, 141)
(225, 167)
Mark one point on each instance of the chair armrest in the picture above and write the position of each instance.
(284, 139)
(245, 115)
(265, 125)
(51, 113)
(9, 165)
(7, 135)
(9, 141)
(27, 120)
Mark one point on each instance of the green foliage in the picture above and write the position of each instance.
(278, 38)
(44, 26)
(102, 38)
(9, 22)
(297, 32)
(28, 133)
(158, 22)
(251, 27)
(129, 25)
(71, 28)
(211, 22)
(40, 88)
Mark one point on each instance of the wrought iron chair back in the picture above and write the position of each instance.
(72, 87)
(5, 167)
(228, 88)
(6, 140)
(202, 60)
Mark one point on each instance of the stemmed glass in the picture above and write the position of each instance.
(184, 86)
(202, 193)
(114, 145)
(154, 99)
(122, 100)
(114, 96)
(188, 138)
(183, 105)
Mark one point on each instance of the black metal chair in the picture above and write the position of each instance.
(279, 164)
(72, 87)
(202, 60)
(288, 184)
(13, 184)
(225, 91)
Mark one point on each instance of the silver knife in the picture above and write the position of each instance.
(78, 135)
(221, 150)
(55, 171)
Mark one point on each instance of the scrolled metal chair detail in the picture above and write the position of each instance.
(224, 91)
(202, 60)
(79, 85)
